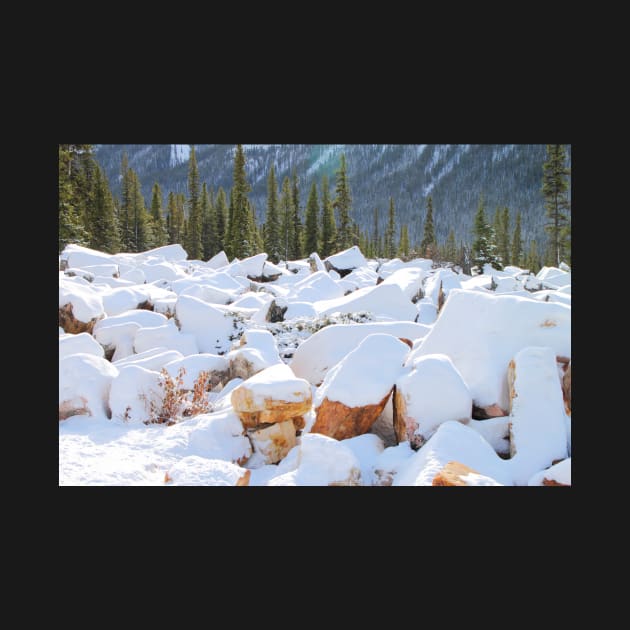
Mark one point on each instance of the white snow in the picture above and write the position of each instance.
(87, 304)
(277, 382)
(366, 448)
(200, 471)
(81, 343)
(560, 472)
(482, 332)
(496, 431)
(366, 374)
(167, 336)
(153, 359)
(350, 258)
(131, 392)
(195, 364)
(409, 279)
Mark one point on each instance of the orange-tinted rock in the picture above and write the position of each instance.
(451, 475)
(274, 441)
(339, 421)
(244, 480)
(553, 482)
(404, 425)
(72, 325)
(566, 389)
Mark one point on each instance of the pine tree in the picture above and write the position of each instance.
(175, 220)
(450, 250)
(209, 224)
(428, 246)
(375, 236)
(85, 187)
(125, 214)
(295, 244)
(311, 227)
(390, 234)
(105, 225)
(329, 228)
(516, 255)
(286, 206)
(221, 211)
(533, 259)
(256, 237)
(71, 228)
(403, 248)
(194, 245)
(503, 238)
(342, 202)
(272, 222)
(555, 190)
(241, 222)
(160, 236)
(141, 233)
(484, 248)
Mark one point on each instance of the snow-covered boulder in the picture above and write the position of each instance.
(200, 471)
(83, 342)
(456, 474)
(218, 260)
(482, 332)
(537, 429)
(410, 280)
(553, 277)
(557, 475)
(345, 261)
(273, 442)
(453, 441)
(131, 394)
(322, 461)
(257, 350)
(317, 354)
(78, 256)
(366, 448)
(209, 294)
(217, 366)
(121, 299)
(166, 336)
(427, 311)
(356, 389)
(172, 253)
(317, 286)
(161, 271)
(80, 307)
(84, 385)
(273, 395)
(433, 392)
(496, 431)
(389, 463)
(152, 359)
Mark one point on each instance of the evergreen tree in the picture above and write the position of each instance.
(390, 234)
(286, 207)
(555, 190)
(105, 225)
(403, 248)
(125, 214)
(329, 228)
(311, 228)
(141, 237)
(221, 211)
(175, 220)
(160, 236)
(85, 182)
(256, 236)
(428, 246)
(450, 250)
(71, 228)
(209, 224)
(516, 255)
(375, 236)
(230, 228)
(503, 237)
(342, 202)
(241, 223)
(272, 224)
(295, 244)
(533, 259)
(194, 245)
(484, 249)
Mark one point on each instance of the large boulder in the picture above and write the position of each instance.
(433, 392)
(272, 442)
(345, 261)
(83, 342)
(80, 307)
(200, 471)
(257, 350)
(273, 395)
(355, 391)
(457, 474)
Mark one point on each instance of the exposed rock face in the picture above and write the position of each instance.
(273, 441)
(553, 482)
(276, 313)
(566, 389)
(72, 325)
(244, 480)
(451, 475)
(339, 421)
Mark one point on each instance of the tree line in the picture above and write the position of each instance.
(206, 223)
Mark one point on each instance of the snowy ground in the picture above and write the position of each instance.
(347, 371)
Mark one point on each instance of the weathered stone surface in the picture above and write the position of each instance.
(489, 411)
(244, 480)
(339, 421)
(72, 325)
(451, 475)
(274, 441)
(566, 389)
(553, 482)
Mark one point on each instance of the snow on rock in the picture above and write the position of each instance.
(427, 311)
(384, 425)
(161, 271)
(209, 294)
(195, 364)
(537, 429)
(553, 278)
(172, 253)
(84, 385)
(300, 310)
(248, 267)
(131, 392)
(389, 463)
(358, 279)
(384, 301)
(456, 474)
(317, 286)
(273, 442)
(481, 333)
(321, 351)
(322, 461)
(439, 284)
(107, 269)
(557, 475)
(390, 266)
(218, 260)
(366, 448)
(496, 431)
(317, 264)
(453, 441)
(253, 299)
(257, 350)
(200, 471)
(409, 279)
(79, 307)
(167, 336)
(212, 327)
(78, 256)
(121, 299)
(153, 359)
(273, 395)
(356, 389)
(81, 343)
(433, 392)
(346, 260)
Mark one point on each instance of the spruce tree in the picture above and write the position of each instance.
(311, 227)
(428, 246)
(375, 236)
(286, 223)
(272, 222)
(533, 259)
(71, 228)
(160, 236)
(295, 245)
(503, 238)
(450, 250)
(484, 249)
(241, 222)
(516, 255)
(209, 224)
(555, 190)
(105, 225)
(329, 228)
(174, 223)
(221, 211)
(194, 245)
(403, 248)
(390, 234)
(125, 214)
(141, 232)
(342, 202)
